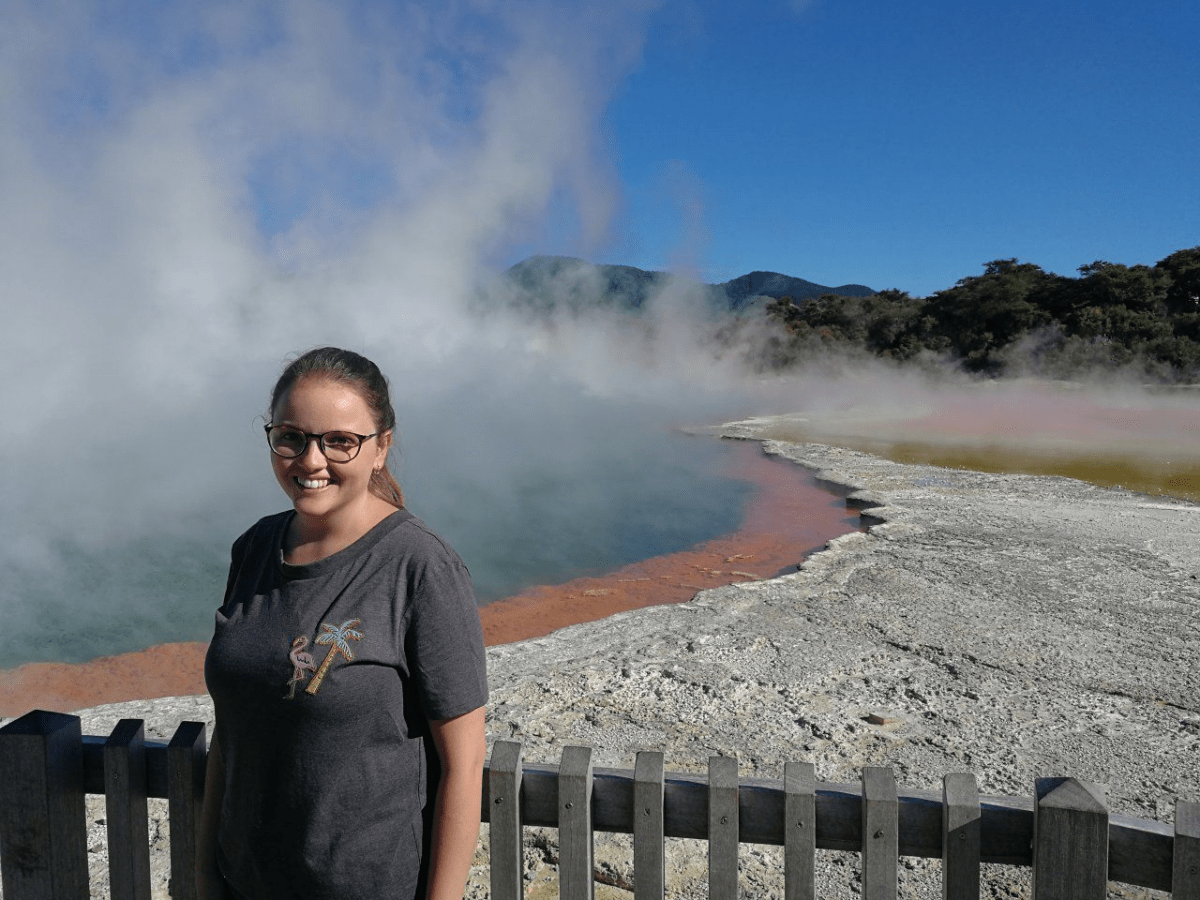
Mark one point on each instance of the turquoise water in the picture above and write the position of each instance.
(554, 525)
(534, 508)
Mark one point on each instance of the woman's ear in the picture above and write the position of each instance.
(383, 445)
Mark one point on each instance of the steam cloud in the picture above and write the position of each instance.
(195, 191)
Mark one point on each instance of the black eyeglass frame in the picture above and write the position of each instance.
(320, 439)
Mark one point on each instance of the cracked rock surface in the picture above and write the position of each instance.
(1009, 625)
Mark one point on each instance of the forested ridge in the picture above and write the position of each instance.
(1014, 319)
(545, 285)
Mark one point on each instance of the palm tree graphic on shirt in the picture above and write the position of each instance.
(337, 637)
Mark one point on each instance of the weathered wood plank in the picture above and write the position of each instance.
(1140, 850)
(1070, 840)
(575, 825)
(612, 798)
(914, 816)
(880, 834)
(504, 821)
(960, 837)
(126, 812)
(1139, 853)
(800, 831)
(649, 851)
(1185, 868)
(723, 827)
(186, 755)
(43, 837)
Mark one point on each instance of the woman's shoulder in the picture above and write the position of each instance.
(264, 532)
(418, 540)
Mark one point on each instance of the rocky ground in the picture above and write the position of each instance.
(1013, 626)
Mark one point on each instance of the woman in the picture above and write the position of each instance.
(347, 671)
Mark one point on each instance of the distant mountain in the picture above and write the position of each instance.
(774, 285)
(546, 283)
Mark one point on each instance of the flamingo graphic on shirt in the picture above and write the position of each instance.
(302, 661)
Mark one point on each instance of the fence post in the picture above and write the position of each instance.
(575, 880)
(1070, 840)
(648, 846)
(1185, 864)
(799, 830)
(186, 758)
(504, 820)
(961, 820)
(722, 827)
(43, 834)
(880, 833)
(125, 809)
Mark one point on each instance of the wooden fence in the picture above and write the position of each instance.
(1063, 831)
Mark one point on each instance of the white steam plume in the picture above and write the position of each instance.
(194, 191)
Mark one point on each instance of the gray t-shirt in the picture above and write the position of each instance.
(324, 677)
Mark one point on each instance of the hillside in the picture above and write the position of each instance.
(1018, 319)
(1014, 319)
(547, 283)
(742, 290)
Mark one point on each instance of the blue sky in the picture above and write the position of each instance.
(905, 144)
(893, 145)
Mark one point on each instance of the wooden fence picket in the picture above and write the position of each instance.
(649, 846)
(800, 831)
(125, 810)
(575, 879)
(43, 840)
(880, 838)
(186, 757)
(1185, 864)
(1070, 840)
(960, 837)
(722, 828)
(503, 814)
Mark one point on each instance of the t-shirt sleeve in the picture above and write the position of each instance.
(444, 641)
(252, 547)
(237, 557)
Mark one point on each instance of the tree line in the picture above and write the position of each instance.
(1014, 319)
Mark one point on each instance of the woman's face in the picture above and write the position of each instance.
(336, 492)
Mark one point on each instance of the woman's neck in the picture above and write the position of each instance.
(309, 540)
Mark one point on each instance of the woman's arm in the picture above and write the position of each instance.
(209, 883)
(461, 747)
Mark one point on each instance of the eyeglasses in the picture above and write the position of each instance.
(338, 446)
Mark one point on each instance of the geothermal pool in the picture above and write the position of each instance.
(666, 516)
(537, 524)
(784, 516)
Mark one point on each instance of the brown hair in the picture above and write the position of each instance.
(363, 376)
